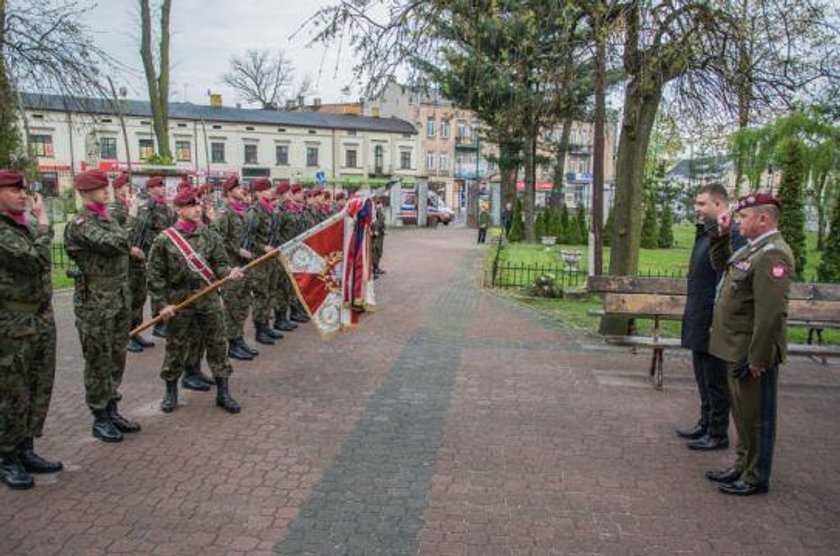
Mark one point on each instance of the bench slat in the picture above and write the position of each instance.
(643, 341)
(678, 286)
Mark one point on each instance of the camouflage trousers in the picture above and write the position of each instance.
(281, 293)
(377, 247)
(27, 373)
(137, 286)
(103, 332)
(237, 301)
(260, 283)
(201, 325)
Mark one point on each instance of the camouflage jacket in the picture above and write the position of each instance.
(231, 228)
(119, 212)
(153, 218)
(377, 228)
(286, 222)
(25, 279)
(260, 221)
(171, 280)
(100, 248)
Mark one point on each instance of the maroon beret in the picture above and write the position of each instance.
(120, 180)
(230, 183)
(308, 194)
(90, 180)
(339, 195)
(184, 186)
(296, 188)
(10, 178)
(326, 194)
(261, 184)
(155, 181)
(283, 187)
(756, 200)
(186, 197)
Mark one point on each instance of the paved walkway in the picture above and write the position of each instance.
(452, 422)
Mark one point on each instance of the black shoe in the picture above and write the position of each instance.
(245, 347)
(263, 337)
(13, 474)
(692, 433)
(144, 342)
(223, 397)
(122, 424)
(103, 428)
(708, 442)
(723, 477)
(159, 330)
(299, 316)
(235, 351)
(284, 325)
(191, 381)
(134, 346)
(273, 333)
(201, 376)
(741, 488)
(34, 463)
(170, 399)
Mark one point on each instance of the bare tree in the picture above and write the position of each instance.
(157, 79)
(261, 76)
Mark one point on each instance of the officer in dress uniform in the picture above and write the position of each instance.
(749, 333)
(102, 302)
(27, 351)
(183, 259)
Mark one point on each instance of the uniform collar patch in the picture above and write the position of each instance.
(742, 265)
(778, 271)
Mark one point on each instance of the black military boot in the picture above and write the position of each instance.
(160, 330)
(298, 316)
(122, 424)
(263, 337)
(103, 428)
(235, 351)
(34, 463)
(13, 474)
(281, 324)
(248, 349)
(191, 381)
(223, 397)
(134, 346)
(201, 376)
(143, 341)
(170, 399)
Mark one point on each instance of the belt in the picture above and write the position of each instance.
(97, 278)
(20, 306)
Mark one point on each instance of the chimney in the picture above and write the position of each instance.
(316, 102)
(290, 105)
(301, 101)
(215, 100)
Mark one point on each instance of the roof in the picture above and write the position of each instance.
(196, 112)
(688, 167)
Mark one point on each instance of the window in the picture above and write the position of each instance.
(350, 158)
(147, 148)
(405, 160)
(378, 159)
(250, 154)
(444, 162)
(217, 152)
(108, 148)
(183, 152)
(41, 145)
(312, 156)
(430, 161)
(430, 126)
(444, 129)
(463, 131)
(282, 155)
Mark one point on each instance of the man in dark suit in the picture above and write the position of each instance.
(711, 430)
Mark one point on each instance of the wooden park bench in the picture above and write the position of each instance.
(815, 306)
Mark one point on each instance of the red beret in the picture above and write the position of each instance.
(204, 189)
(261, 184)
(120, 180)
(10, 178)
(230, 183)
(340, 195)
(155, 181)
(327, 194)
(186, 197)
(90, 180)
(184, 186)
(283, 187)
(308, 194)
(756, 200)
(296, 188)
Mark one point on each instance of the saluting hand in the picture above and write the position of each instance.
(36, 206)
(133, 206)
(724, 220)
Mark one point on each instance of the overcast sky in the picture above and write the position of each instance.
(206, 33)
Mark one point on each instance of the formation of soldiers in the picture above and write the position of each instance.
(129, 250)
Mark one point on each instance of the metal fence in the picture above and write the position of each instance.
(59, 256)
(520, 275)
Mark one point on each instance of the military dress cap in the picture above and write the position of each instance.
(90, 180)
(296, 188)
(262, 184)
(186, 198)
(230, 183)
(283, 187)
(120, 180)
(10, 178)
(756, 200)
(155, 181)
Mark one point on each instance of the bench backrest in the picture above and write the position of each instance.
(665, 297)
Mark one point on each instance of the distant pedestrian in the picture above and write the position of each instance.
(483, 224)
(507, 218)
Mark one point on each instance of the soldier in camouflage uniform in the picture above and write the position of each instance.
(377, 233)
(749, 333)
(100, 248)
(171, 280)
(236, 294)
(264, 277)
(284, 230)
(27, 352)
(298, 224)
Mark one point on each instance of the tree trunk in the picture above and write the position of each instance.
(558, 198)
(157, 85)
(821, 204)
(530, 186)
(597, 218)
(641, 104)
(507, 171)
(9, 133)
(163, 82)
